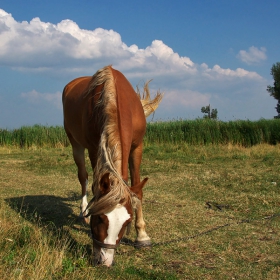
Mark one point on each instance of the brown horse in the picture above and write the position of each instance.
(104, 115)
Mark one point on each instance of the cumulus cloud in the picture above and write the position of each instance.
(61, 48)
(253, 55)
(43, 45)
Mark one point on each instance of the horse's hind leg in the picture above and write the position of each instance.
(79, 158)
(135, 158)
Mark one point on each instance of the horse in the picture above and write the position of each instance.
(103, 114)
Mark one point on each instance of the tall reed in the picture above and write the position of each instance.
(39, 136)
(194, 132)
(204, 131)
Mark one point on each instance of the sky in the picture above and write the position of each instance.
(196, 52)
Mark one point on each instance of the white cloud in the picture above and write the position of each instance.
(43, 46)
(40, 44)
(66, 49)
(36, 97)
(253, 55)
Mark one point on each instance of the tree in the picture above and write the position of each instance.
(275, 89)
(208, 113)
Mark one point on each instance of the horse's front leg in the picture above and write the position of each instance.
(142, 238)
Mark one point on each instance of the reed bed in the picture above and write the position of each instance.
(37, 135)
(203, 131)
(193, 132)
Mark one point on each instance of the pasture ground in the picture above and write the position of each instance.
(192, 189)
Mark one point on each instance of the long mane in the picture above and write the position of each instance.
(109, 158)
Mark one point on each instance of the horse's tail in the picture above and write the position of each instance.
(149, 106)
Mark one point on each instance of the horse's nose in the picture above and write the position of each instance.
(100, 262)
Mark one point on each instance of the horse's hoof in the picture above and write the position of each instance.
(84, 219)
(143, 244)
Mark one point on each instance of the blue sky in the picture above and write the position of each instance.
(196, 52)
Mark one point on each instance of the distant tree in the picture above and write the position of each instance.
(275, 89)
(209, 114)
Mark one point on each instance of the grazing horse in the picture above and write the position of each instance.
(104, 115)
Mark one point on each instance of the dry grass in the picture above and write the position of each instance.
(41, 237)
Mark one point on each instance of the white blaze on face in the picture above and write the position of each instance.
(116, 219)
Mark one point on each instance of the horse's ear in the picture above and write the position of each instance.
(137, 189)
(105, 183)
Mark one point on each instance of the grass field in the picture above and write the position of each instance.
(192, 189)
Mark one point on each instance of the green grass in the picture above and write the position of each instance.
(41, 237)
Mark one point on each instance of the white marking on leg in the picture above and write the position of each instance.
(140, 226)
(84, 202)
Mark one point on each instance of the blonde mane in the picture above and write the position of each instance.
(109, 158)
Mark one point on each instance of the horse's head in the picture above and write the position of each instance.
(108, 227)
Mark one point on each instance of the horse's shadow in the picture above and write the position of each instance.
(53, 213)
